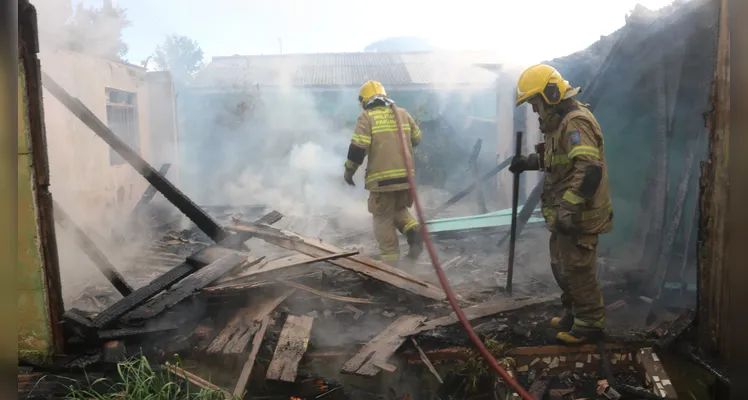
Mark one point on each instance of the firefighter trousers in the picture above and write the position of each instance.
(573, 261)
(390, 213)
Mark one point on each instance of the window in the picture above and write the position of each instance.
(122, 119)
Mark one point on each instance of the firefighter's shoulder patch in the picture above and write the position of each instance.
(575, 138)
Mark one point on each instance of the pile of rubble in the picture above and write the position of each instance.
(303, 317)
(297, 309)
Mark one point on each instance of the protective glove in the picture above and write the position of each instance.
(348, 177)
(524, 163)
(565, 221)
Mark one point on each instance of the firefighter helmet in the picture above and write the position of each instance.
(369, 90)
(546, 81)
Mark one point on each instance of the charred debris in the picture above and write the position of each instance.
(301, 317)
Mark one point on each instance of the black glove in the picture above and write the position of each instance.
(524, 163)
(565, 221)
(348, 176)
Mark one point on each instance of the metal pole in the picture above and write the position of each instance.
(513, 231)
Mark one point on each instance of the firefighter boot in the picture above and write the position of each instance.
(564, 323)
(415, 241)
(581, 333)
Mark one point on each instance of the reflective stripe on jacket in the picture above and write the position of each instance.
(576, 144)
(376, 132)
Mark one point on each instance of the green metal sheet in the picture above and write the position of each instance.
(494, 219)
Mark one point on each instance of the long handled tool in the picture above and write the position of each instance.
(513, 229)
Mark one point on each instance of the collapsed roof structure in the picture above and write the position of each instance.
(322, 306)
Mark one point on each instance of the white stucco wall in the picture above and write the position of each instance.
(82, 179)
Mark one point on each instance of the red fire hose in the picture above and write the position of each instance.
(407, 159)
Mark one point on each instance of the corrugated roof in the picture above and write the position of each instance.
(347, 69)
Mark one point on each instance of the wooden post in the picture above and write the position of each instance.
(713, 316)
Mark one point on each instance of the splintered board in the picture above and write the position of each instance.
(373, 356)
(363, 265)
(189, 286)
(483, 310)
(292, 345)
(234, 338)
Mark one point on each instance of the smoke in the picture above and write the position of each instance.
(243, 142)
(288, 152)
(81, 48)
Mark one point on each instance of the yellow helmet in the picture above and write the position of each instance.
(544, 80)
(369, 90)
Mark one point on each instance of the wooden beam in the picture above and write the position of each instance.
(189, 286)
(234, 338)
(713, 277)
(364, 265)
(292, 344)
(241, 383)
(373, 356)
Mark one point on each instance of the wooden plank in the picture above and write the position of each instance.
(143, 294)
(244, 276)
(327, 295)
(169, 278)
(364, 265)
(277, 268)
(233, 338)
(484, 310)
(241, 383)
(292, 345)
(189, 286)
(375, 353)
(91, 250)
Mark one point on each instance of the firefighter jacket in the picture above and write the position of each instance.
(376, 136)
(576, 174)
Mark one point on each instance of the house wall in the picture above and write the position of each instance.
(37, 270)
(35, 326)
(94, 192)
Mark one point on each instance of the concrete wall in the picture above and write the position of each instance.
(92, 191)
(164, 147)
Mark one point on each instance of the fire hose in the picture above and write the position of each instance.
(408, 160)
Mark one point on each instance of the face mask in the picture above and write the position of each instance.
(545, 116)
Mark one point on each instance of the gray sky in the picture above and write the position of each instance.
(522, 31)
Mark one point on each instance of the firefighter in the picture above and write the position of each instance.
(376, 136)
(576, 201)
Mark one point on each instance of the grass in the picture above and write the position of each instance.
(476, 367)
(137, 380)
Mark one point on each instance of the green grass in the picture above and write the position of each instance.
(137, 380)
